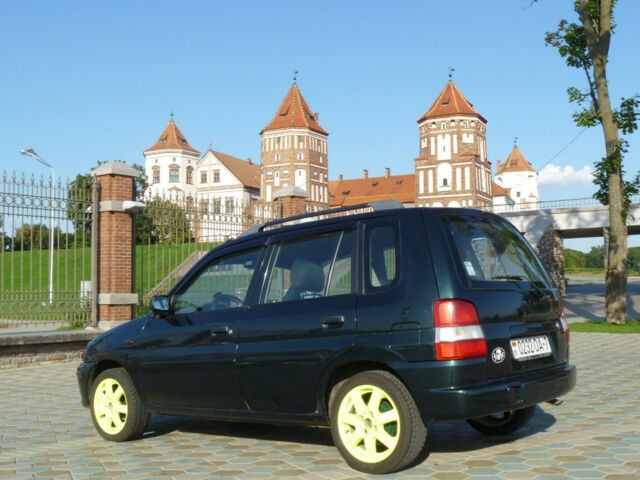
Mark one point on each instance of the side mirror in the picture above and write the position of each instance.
(160, 304)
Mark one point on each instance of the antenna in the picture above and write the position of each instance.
(295, 76)
(451, 70)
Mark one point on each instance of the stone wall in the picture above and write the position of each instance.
(551, 252)
(22, 349)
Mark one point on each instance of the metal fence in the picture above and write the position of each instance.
(550, 204)
(174, 231)
(45, 264)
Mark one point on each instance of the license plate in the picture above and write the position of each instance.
(530, 347)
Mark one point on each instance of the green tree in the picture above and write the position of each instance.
(595, 257)
(634, 259)
(586, 46)
(574, 259)
(164, 221)
(35, 237)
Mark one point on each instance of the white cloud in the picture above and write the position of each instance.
(567, 176)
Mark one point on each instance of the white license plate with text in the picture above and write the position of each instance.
(530, 347)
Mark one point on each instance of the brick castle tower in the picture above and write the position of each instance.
(452, 169)
(294, 152)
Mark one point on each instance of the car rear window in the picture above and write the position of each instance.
(493, 253)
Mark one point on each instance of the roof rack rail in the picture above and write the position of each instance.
(376, 206)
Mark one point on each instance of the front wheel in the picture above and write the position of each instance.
(116, 409)
(503, 423)
(375, 423)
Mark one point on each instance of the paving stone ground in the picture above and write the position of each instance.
(46, 433)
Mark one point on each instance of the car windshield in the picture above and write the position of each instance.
(491, 250)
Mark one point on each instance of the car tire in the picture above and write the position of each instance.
(375, 422)
(117, 411)
(503, 423)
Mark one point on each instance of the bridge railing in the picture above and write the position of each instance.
(550, 204)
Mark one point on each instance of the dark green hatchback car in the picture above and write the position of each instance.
(375, 324)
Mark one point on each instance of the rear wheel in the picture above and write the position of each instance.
(375, 423)
(503, 423)
(116, 409)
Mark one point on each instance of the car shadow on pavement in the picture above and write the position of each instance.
(443, 437)
(161, 425)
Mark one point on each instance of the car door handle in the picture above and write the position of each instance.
(333, 322)
(221, 331)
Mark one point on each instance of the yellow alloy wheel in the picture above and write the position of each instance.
(110, 406)
(368, 423)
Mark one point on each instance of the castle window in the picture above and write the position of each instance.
(445, 182)
(190, 175)
(203, 177)
(277, 157)
(204, 206)
(156, 176)
(216, 176)
(300, 156)
(229, 204)
(443, 125)
(216, 205)
(174, 175)
(320, 158)
(518, 194)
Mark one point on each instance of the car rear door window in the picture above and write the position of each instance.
(313, 267)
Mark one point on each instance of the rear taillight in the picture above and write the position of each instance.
(458, 331)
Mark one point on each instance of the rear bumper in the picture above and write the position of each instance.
(496, 395)
(84, 374)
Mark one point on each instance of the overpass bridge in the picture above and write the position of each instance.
(546, 224)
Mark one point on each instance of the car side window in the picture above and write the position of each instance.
(382, 248)
(309, 268)
(222, 284)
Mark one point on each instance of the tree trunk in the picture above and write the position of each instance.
(616, 273)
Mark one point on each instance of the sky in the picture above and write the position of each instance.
(84, 82)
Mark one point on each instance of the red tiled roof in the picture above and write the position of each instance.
(450, 102)
(171, 138)
(247, 173)
(360, 190)
(497, 190)
(515, 162)
(294, 112)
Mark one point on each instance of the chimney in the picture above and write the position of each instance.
(249, 161)
(497, 165)
(365, 174)
(387, 172)
(316, 115)
(340, 178)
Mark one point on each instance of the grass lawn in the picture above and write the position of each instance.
(586, 272)
(24, 278)
(632, 326)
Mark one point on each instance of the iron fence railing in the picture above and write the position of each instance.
(39, 283)
(174, 231)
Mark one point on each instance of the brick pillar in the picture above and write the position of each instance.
(116, 243)
(294, 200)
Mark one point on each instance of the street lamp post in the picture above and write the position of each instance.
(30, 152)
